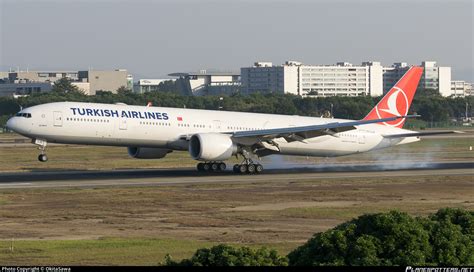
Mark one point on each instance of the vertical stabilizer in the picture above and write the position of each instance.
(398, 100)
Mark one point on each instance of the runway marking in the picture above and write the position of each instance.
(15, 184)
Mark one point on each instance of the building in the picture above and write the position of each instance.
(41, 76)
(392, 74)
(266, 78)
(89, 82)
(208, 83)
(3, 76)
(342, 79)
(22, 88)
(104, 80)
(461, 88)
(130, 82)
(148, 85)
(434, 77)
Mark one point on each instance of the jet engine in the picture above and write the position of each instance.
(147, 152)
(211, 147)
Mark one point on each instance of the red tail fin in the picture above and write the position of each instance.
(398, 100)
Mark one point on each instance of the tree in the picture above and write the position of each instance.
(393, 238)
(452, 236)
(64, 85)
(8, 105)
(169, 86)
(225, 255)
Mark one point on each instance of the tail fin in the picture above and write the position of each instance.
(398, 100)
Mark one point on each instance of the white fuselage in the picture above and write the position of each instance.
(160, 127)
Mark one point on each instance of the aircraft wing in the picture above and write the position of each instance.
(417, 134)
(291, 134)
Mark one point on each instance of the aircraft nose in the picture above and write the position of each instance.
(11, 124)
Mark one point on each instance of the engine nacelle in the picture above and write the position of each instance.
(211, 147)
(147, 152)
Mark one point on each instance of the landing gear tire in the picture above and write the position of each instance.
(43, 158)
(251, 168)
(215, 167)
(211, 166)
(243, 168)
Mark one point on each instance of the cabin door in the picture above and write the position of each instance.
(123, 123)
(58, 119)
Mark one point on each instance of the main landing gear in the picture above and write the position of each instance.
(248, 167)
(42, 148)
(211, 166)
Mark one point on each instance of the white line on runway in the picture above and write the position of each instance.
(14, 184)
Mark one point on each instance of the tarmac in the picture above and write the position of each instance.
(170, 177)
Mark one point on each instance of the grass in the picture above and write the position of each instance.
(104, 251)
(348, 213)
(75, 157)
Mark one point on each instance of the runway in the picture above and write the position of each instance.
(170, 177)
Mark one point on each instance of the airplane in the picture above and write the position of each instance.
(213, 137)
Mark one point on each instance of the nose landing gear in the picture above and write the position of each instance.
(42, 147)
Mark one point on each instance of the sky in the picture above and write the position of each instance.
(155, 37)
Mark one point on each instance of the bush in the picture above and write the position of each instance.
(452, 236)
(393, 238)
(225, 255)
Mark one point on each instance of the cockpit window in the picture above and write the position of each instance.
(23, 114)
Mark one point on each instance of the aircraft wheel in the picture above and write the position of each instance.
(200, 167)
(43, 158)
(206, 167)
(214, 167)
(236, 168)
(242, 168)
(251, 168)
(258, 168)
(222, 166)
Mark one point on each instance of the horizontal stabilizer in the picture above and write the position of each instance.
(418, 134)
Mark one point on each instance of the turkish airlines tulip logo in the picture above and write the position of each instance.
(395, 105)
